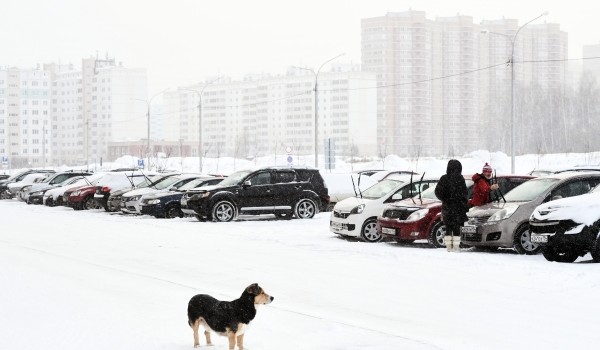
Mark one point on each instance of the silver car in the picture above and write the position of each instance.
(506, 224)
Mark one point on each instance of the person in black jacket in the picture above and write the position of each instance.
(452, 191)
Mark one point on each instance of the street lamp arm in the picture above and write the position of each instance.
(324, 63)
(514, 38)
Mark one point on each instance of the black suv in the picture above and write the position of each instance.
(283, 191)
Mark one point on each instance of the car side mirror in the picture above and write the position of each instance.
(247, 183)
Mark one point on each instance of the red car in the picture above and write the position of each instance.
(420, 217)
(81, 197)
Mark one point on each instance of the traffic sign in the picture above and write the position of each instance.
(140, 163)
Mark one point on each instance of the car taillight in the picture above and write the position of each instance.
(105, 189)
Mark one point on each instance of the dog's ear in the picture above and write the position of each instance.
(253, 289)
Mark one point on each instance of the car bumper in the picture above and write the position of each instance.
(402, 230)
(131, 207)
(349, 226)
(494, 234)
(195, 207)
(36, 199)
(153, 209)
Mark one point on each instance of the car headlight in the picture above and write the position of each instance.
(204, 195)
(503, 214)
(358, 209)
(417, 215)
(26, 188)
(76, 193)
(154, 201)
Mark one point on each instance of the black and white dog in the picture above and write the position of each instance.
(227, 318)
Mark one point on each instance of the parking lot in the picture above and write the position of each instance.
(105, 280)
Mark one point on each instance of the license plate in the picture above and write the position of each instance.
(388, 231)
(539, 238)
(468, 229)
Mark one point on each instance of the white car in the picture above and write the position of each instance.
(15, 188)
(131, 202)
(344, 185)
(357, 216)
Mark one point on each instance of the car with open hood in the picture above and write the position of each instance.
(131, 202)
(357, 216)
(506, 224)
(420, 217)
(167, 203)
(568, 228)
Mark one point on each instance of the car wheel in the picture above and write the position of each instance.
(59, 201)
(223, 211)
(522, 241)
(596, 250)
(173, 212)
(88, 203)
(200, 218)
(305, 209)
(50, 202)
(369, 233)
(437, 234)
(562, 254)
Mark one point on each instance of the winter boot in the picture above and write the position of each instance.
(456, 244)
(448, 242)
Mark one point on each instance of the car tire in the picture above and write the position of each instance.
(437, 234)
(563, 254)
(305, 208)
(172, 212)
(223, 211)
(50, 202)
(88, 203)
(522, 241)
(368, 231)
(200, 218)
(595, 251)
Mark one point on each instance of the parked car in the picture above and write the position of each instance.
(87, 197)
(283, 191)
(420, 217)
(14, 189)
(167, 204)
(52, 181)
(54, 196)
(115, 181)
(506, 224)
(16, 178)
(342, 186)
(4, 176)
(357, 216)
(367, 172)
(568, 228)
(132, 200)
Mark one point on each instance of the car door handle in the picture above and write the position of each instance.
(298, 187)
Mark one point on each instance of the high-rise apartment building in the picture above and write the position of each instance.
(64, 114)
(443, 82)
(264, 114)
(25, 117)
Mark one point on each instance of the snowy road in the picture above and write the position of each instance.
(93, 280)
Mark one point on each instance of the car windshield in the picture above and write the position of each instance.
(380, 189)
(235, 178)
(529, 190)
(164, 183)
(192, 184)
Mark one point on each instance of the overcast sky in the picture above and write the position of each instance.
(181, 42)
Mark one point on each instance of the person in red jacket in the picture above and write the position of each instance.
(482, 187)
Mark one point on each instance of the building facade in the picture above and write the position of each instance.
(264, 114)
(445, 84)
(67, 114)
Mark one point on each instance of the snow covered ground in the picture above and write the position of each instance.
(93, 280)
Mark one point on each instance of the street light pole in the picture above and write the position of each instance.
(513, 40)
(316, 90)
(200, 119)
